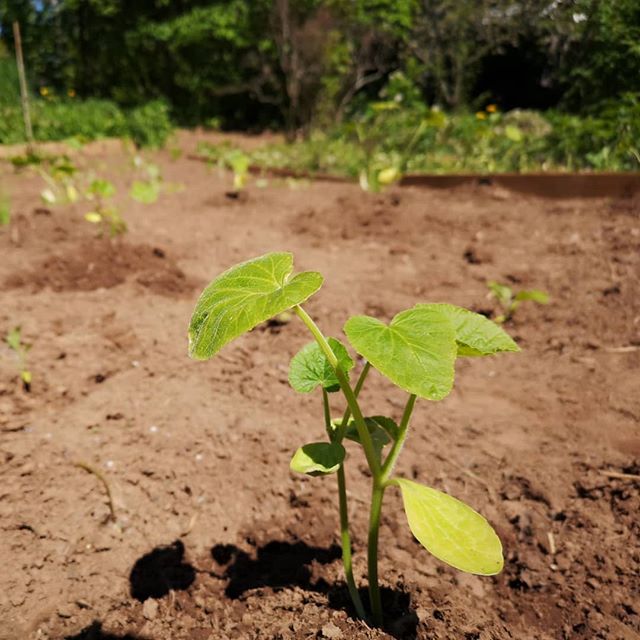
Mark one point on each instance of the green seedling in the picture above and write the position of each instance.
(60, 179)
(510, 300)
(416, 351)
(146, 191)
(14, 341)
(381, 169)
(238, 162)
(104, 214)
(5, 210)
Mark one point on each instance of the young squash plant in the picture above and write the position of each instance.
(416, 351)
(509, 300)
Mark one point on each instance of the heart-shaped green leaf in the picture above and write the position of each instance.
(310, 368)
(318, 458)
(243, 297)
(416, 351)
(475, 334)
(380, 436)
(451, 530)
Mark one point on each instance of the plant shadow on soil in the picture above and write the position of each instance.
(280, 564)
(94, 632)
(277, 565)
(161, 570)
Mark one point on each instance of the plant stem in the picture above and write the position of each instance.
(372, 552)
(392, 458)
(356, 392)
(363, 432)
(377, 495)
(345, 536)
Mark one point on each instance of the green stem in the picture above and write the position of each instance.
(345, 536)
(372, 552)
(392, 458)
(363, 432)
(379, 485)
(346, 546)
(347, 412)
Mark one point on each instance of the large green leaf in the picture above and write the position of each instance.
(243, 297)
(475, 334)
(318, 458)
(416, 351)
(451, 530)
(310, 368)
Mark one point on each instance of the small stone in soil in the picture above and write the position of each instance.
(150, 609)
(332, 632)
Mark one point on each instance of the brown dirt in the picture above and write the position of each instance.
(214, 538)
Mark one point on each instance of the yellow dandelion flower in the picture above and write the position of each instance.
(44, 91)
(71, 93)
(492, 108)
(481, 115)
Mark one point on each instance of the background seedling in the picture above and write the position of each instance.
(60, 178)
(5, 209)
(510, 300)
(14, 340)
(416, 351)
(146, 191)
(104, 214)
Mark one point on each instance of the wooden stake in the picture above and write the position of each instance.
(23, 85)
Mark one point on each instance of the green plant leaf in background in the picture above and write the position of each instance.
(145, 192)
(14, 339)
(310, 368)
(318, 458)
(416, 351)
(451, 530)
(502, 293)
(5, 210)
(475, 334)
(243, 297)
(541, 297)
(102, 188)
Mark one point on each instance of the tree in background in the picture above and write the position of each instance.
(296, 63)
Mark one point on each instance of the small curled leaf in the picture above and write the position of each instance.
(451, 530)
(380, 429)
(318, 458)
(310, 368)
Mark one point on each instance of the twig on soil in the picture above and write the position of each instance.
(627, 349)
(477, 478)
(190, 526)
(552, 543)
(100, 476)
(620, 476)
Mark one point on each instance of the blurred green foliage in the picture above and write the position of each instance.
(321, 69)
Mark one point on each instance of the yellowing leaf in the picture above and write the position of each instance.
(93, 216)
(451, 530)
(388, 176)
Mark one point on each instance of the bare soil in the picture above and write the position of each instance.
(214, 538)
